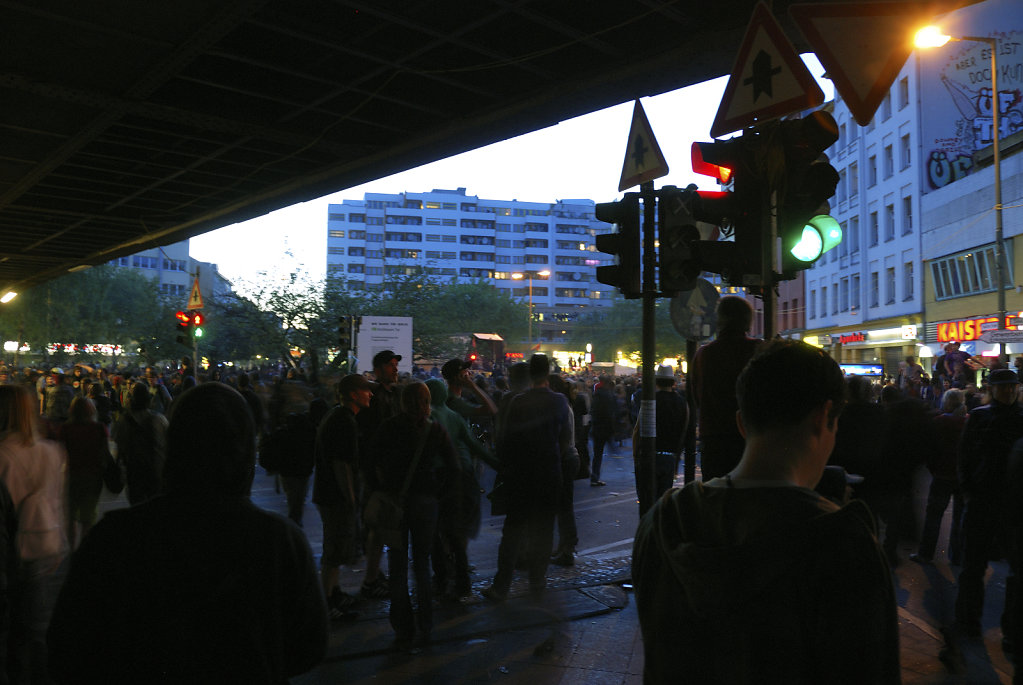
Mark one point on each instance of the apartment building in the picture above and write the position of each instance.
(540, 250)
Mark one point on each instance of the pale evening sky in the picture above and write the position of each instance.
(578, 158)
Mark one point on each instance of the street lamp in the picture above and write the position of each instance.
(518, 276)
(933, 37)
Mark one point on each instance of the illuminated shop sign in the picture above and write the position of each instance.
(846, 338)
(966, 329)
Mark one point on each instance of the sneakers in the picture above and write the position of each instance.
(340, 605)
(378, 589)
(493, 594)
(597, 483)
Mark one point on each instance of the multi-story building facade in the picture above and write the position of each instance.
(174, 271)
(874, 298)
(540, 250)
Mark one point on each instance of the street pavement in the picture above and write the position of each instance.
(586, 630)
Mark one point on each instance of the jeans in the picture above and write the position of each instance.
(529, 526)
(983, 531)
(600, 439)
(420, 523)
(568, 534)
(295, 489)
(942, 490)
(650, 489)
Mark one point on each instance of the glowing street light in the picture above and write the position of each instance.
(934, 37)
(518, 276)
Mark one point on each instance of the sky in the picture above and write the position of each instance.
(579, 158)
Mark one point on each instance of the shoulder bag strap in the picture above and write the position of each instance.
(415, 459)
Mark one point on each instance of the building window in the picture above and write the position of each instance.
(854, 180)
(812, 309)
(889, 161)
(824, 301)
(334, 216)
(889, 277)
(854, 294)
(873, 229)
(334, 233)
(854, 235)
(907, 153)
(903, 92)
(907, 215)
(356, 218)
(875, 290)
(907, 281)
(356, 269)
(844, 297)
(834, 298)
(968, 273)
(356, 251)
(374, 221)
(335, 250)
(140, 262)
(794, 323)
(889, 222)
(886, 107)
(872, 171)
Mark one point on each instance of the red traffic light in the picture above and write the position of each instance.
(472, 357)
(702, 166)
(197, 318)
(183, 318)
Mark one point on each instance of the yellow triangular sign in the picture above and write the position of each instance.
(195, 299)
(643, 158)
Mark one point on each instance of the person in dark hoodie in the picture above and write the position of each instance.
(753, 577)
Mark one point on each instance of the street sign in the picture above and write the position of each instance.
(862, 45)
(643, 158)
(693, 312)
(768, 80)
(195, 299)
(1002, 336)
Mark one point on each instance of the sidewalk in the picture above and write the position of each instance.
(590, 634)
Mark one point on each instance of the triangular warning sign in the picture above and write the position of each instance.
(643, 158)
(768, 80)
(863, 46)
(195, 299)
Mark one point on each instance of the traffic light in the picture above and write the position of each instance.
(344, 333)
(804, 227)
(624, 244)
(679, 264)
(472, 357)
(182, 329)
(197, 325)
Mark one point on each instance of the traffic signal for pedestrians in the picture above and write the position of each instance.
(197, 325)
(344, 333)
(182, 328)
(804, 226)
(472, 357)
(679, 264)
(623, 244)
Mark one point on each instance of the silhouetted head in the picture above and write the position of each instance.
(211, 443)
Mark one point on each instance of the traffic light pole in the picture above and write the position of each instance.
(648, 413)
(769, 244)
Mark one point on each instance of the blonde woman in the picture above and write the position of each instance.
(32, 490)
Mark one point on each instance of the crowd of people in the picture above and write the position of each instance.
(393, 464)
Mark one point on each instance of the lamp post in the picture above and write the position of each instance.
(932, 37)
(518, 276)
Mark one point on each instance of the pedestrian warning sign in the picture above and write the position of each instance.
(643, 158)
(195, 299)
(768, 80)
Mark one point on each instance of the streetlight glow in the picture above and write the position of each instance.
(930, 37)
(8, 296)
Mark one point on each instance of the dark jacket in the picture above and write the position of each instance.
(763, 585)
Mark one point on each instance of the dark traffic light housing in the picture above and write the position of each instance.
(623, 244)
(804, 226)
(183, 328)
(344, 333)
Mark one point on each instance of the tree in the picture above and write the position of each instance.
(103, 304)
(620, 328)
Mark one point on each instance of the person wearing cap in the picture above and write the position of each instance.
(385, 403)
(456, 373)
(988, 437)
(58, 401)
(671, 420)
(335, 484)
(754, 577)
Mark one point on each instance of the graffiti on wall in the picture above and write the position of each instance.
(968, 105)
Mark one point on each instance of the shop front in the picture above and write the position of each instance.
(886, 346)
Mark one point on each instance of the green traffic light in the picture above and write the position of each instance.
(198, 332)
(820, 234)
